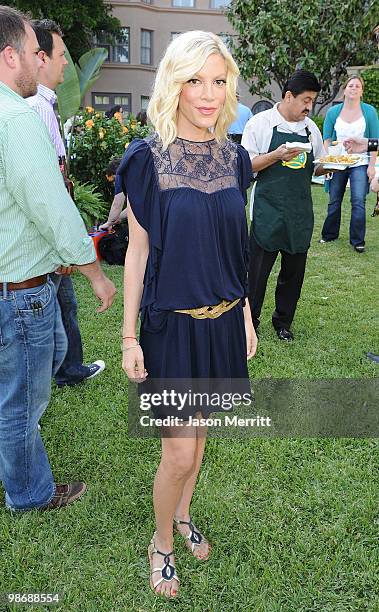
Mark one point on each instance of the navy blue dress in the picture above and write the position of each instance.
(191, 201)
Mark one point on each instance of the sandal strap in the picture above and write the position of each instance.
(195, 537)
(167, 572)
(155, 549)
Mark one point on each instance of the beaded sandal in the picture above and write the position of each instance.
(167, 570)
(194, 538)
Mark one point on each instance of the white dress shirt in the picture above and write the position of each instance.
(43, 102)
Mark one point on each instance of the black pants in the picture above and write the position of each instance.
(288, 286)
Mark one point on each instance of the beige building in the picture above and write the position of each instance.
(148, 26)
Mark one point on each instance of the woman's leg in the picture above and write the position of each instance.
(182, 511)
(331, 228)
(358, 189)
(177, 463)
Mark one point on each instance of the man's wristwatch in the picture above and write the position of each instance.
(373, 144)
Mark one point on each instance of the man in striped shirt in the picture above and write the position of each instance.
(52, 54)
(40, 231)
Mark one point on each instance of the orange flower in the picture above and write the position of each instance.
(118, 116)
(101, 133)
(125, 129)
(110, 177)
(89, 109)
(89, 124)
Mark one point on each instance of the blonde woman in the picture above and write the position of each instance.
(350, 119)
(188, 247)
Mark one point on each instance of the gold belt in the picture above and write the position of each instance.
(210, 312)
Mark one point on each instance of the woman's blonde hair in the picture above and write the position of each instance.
(184, 57)
(351, 78)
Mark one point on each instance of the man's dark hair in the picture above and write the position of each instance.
(300, 81)
(44, 29)
(12, 28)
(113, 165)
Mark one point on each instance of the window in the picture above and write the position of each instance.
(219, 4)
(260, 106)
(104, 101)
(144, 102)
(118, 52)
(100, 100)
(121, 51)
(146, 47)
(123, 101)
(183, 3)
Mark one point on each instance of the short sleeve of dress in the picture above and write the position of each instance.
(245, 171)
(117, 184)
(140, 185)
(136, 173)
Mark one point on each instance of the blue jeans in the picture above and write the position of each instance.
(72, 370)
(358, 191)
(32, 347)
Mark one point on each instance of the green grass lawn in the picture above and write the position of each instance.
(294, 522)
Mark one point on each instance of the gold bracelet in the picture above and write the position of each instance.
(126, 348)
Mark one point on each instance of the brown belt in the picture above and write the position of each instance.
(27, 284)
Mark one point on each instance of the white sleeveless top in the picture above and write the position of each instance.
(346, 130)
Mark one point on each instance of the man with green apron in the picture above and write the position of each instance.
(282, 210)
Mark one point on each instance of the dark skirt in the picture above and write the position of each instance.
(192, 349)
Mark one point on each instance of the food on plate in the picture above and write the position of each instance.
(339, 159)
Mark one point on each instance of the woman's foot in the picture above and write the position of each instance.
(163, 577)
(196, 543)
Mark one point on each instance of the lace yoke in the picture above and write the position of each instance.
(206, 166)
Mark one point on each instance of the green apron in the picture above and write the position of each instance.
(283, 208)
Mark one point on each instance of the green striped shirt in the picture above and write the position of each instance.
(40, 226)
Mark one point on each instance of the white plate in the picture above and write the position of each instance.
(336, 165)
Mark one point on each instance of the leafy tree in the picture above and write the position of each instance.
(371, 90)
(80, 20)
(274, 37)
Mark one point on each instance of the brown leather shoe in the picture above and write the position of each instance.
(66, 494)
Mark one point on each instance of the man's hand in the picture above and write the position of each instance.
(65, 270)
(105, 290)
(356, 145)
(284, 154)
(105, 226)
(102, 287)
(370, 172)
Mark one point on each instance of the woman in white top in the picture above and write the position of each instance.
(351, 119)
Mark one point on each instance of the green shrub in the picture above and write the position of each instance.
(90, 203)
(319, 121)
(371, 90)
(95, 141)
